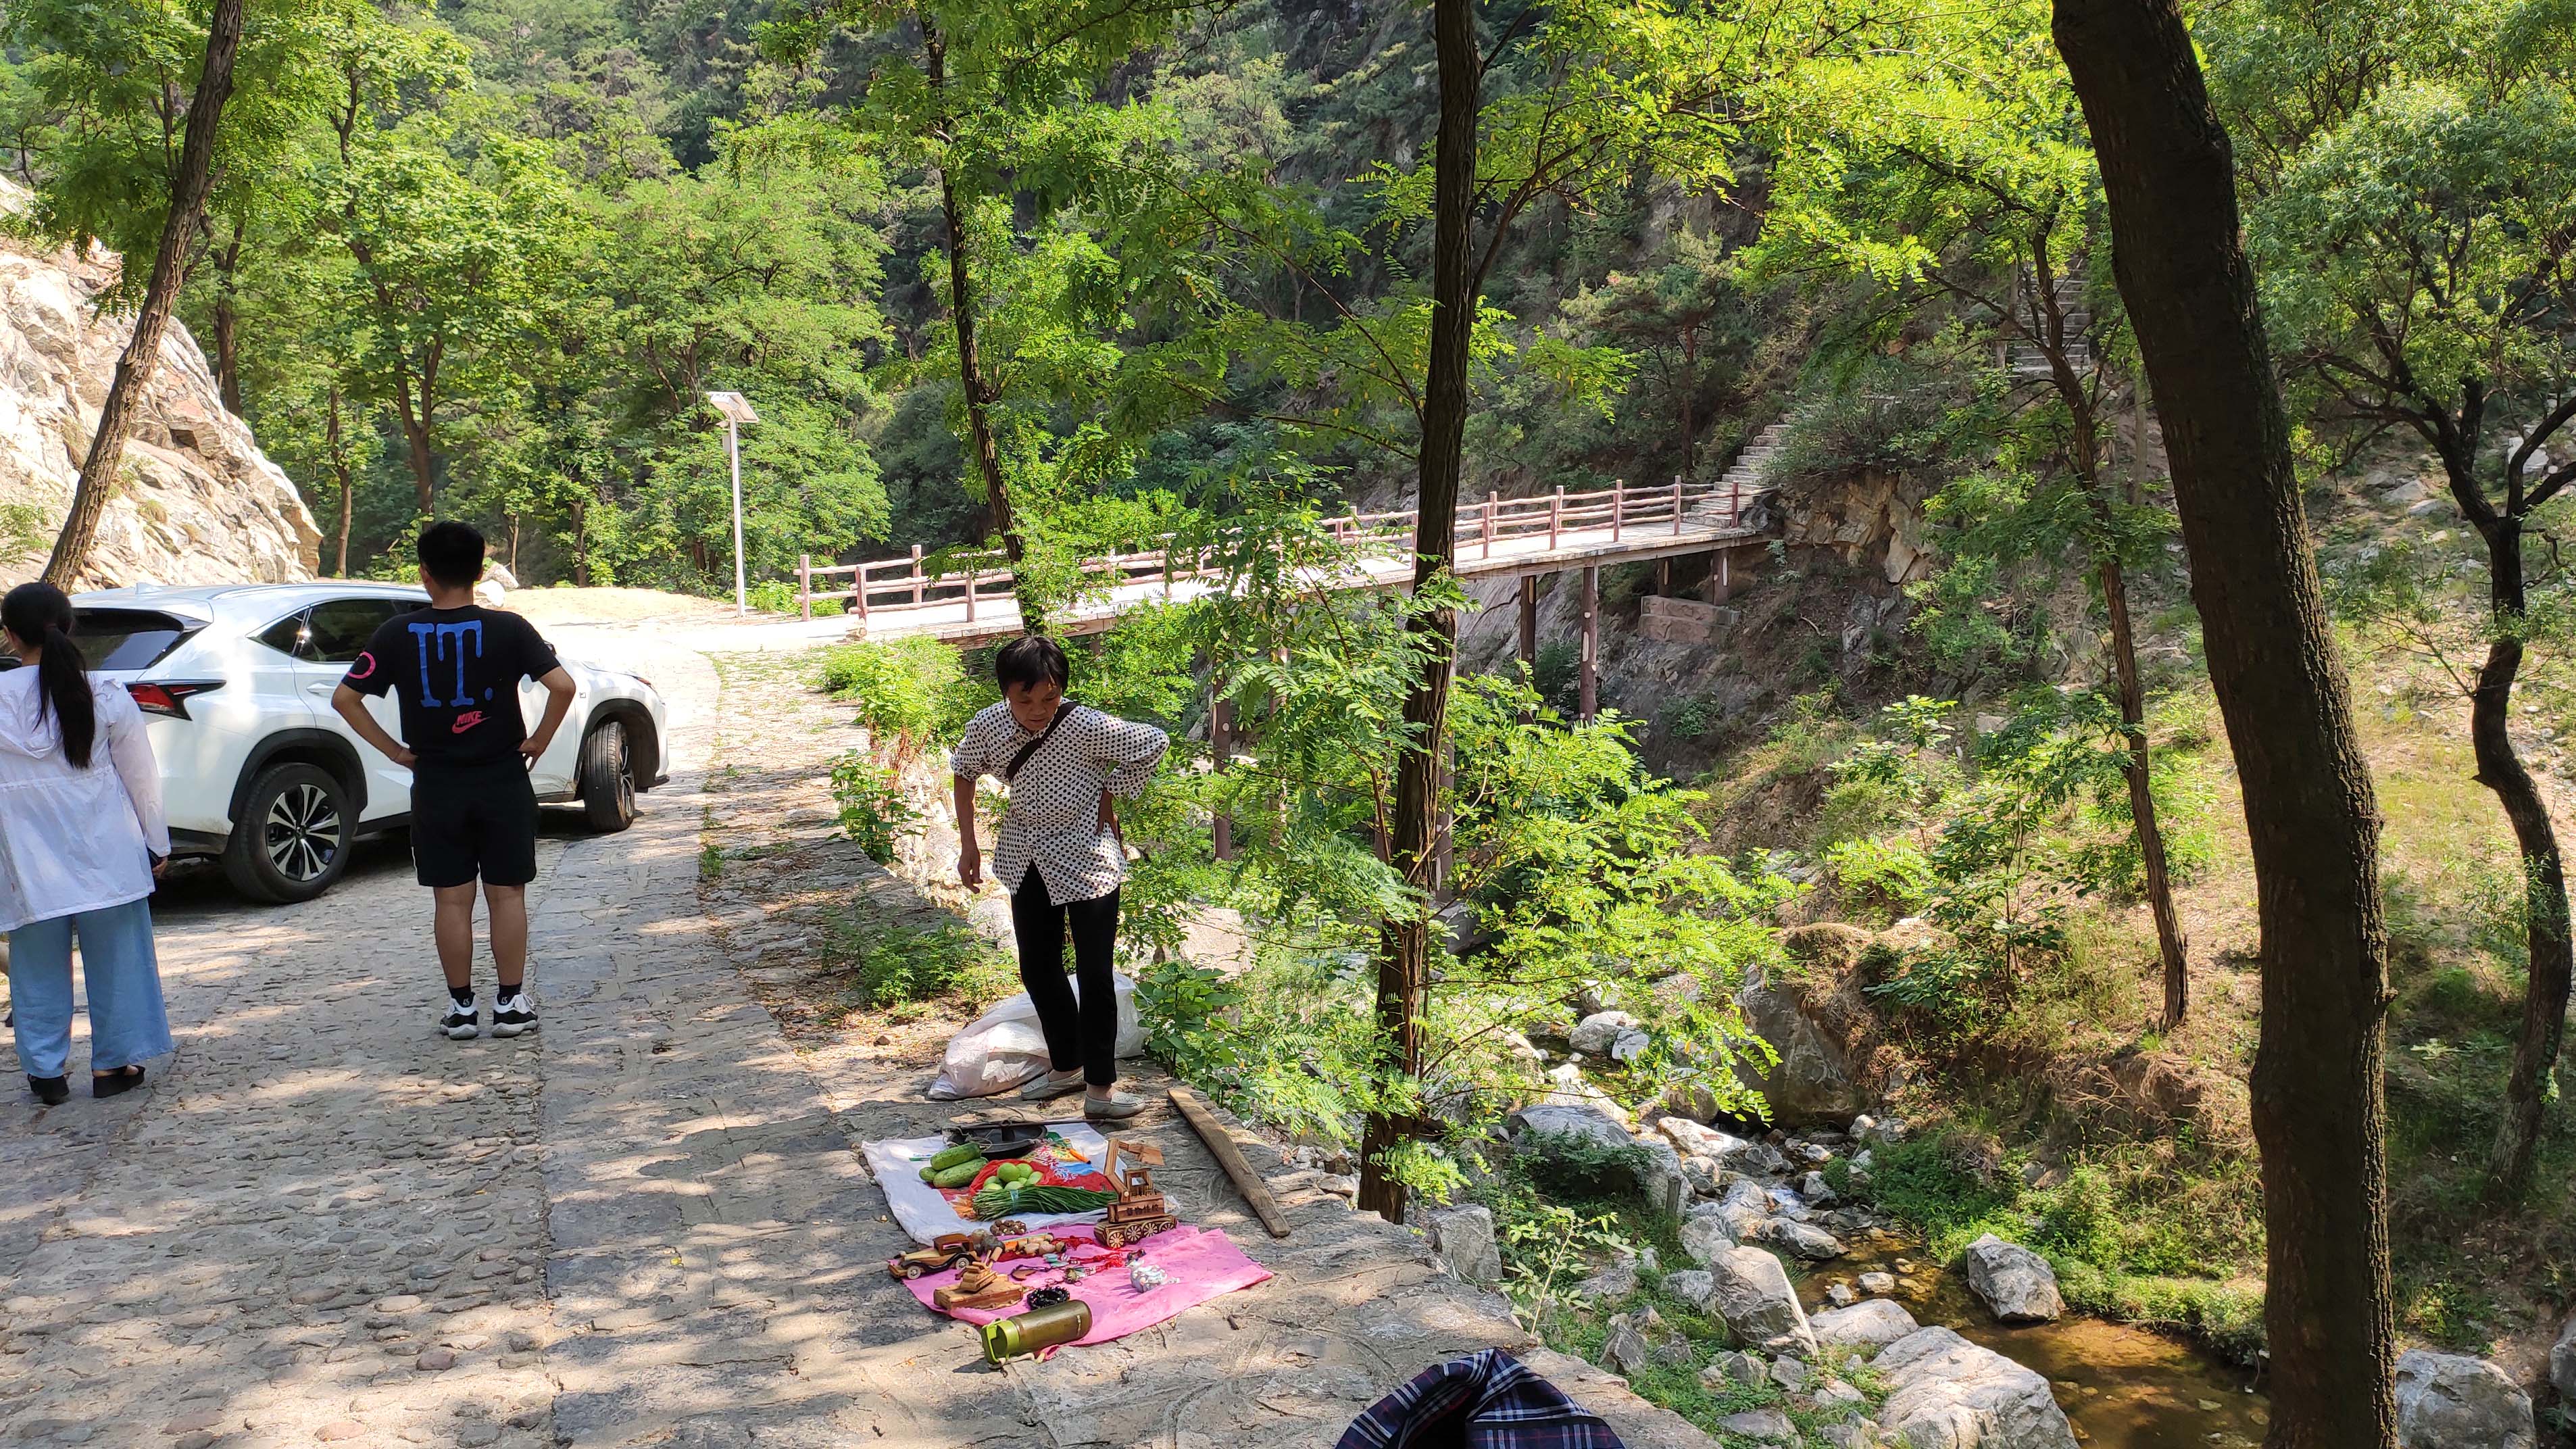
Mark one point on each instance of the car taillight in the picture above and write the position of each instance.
(170, 696)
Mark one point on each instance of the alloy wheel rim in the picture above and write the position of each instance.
(303, 833)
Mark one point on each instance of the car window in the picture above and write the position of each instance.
(286, 636)
(125, 638)
(342, 627)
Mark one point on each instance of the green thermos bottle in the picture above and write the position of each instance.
(1006, 1338)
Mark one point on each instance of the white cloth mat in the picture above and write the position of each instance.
(925, 1214)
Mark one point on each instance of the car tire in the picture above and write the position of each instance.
(607, 779)
(293, 837)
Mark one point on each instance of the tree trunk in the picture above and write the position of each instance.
(228, 323)
(1404, 968)
(2135, 767)
(348, 481)
(970, 368)
(2318, 1093)
(142, 356)
(2544, 876)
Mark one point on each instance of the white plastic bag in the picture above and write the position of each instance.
(1005, 1046)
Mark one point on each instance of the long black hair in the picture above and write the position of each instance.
(39, 614)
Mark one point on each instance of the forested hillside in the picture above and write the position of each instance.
(484, 260)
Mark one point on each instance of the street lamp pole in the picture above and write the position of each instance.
(737, 411)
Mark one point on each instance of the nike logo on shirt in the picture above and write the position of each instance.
(466, 721)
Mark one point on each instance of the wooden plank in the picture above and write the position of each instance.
(1230, 1157)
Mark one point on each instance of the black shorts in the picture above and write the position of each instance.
(472, 822)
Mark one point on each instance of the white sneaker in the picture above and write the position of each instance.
(460, 1020)
(512, 1015)
(1116, 1107)
(1047, 1085)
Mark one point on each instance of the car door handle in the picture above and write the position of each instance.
(322, 688)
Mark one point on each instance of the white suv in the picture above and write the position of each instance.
(259, 770)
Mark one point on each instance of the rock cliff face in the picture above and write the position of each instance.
(199, 504)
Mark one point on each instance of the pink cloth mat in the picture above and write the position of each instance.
(1197, 1265)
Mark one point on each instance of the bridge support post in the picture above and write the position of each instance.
(1221, 744)
(1588, 689)
(1529, 620)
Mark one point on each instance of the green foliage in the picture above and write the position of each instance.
(873, 809)
(906, 690)
(891, 964)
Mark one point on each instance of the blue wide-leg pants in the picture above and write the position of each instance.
(127, 1021)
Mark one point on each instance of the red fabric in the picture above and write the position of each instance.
(1197, 1265)
(1057, 1167)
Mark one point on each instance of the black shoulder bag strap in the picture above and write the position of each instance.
(1011, 771)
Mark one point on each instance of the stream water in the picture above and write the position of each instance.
(2122, 1387)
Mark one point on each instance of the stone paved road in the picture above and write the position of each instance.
(645, 1226)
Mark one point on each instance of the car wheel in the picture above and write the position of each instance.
(607, 782)
(292, 840)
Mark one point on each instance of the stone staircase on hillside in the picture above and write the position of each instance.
(1745, 479)
(2029, 363)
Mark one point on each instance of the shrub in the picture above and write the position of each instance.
(1891, 873)
(893, 963)
(874, 811)
(900, 687)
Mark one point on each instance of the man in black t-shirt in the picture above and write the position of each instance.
(454, 670)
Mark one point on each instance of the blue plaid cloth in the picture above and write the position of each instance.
(1487, 1400)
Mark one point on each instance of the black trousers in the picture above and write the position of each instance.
(1088, 1034)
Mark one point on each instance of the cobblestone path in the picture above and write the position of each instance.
(646, 1225)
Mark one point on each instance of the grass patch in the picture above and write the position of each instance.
(889, 964)
(911, 692)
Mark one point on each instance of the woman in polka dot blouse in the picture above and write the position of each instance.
(1058, 854)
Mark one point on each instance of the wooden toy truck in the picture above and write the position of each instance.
(1139, 1213)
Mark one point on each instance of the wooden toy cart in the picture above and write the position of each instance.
(1139, 1213)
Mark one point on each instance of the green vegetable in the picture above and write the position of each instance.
(993, 1201)
(959, 1175)
(951, 1156)
(929, 1174)
(1016, 1172)
(1050, 1199)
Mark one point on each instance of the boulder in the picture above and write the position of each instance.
(1728, 1151)
(1816, 1190)
(1691, 1288)
(1654, 1171)
(2562, 1362)
(1463, 1240)
(1944, 1392)
(1791, 1372)
(1812, 1080)
(2014, 1282)
(1763, 1426)
(1801, 1239)
(1877, 1282)
(1751, 1295)
(1872, 1325)
(1629, 1045)
(1596, 1034)
(1705, 1235)
(196, 501)
(1627, 1349)
(2455, 1401)
(1735, 1368)
(1610, 1284)
(1745, 1205)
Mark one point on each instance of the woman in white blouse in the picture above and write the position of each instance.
(1058, 854)
(81, 838)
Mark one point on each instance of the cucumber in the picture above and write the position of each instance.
(930, 1175)
(951, 1156)
(959, 1175)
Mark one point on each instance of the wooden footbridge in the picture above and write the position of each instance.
(1525, 538)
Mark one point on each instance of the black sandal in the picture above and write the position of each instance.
(124, 1080)
(52, 1091)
